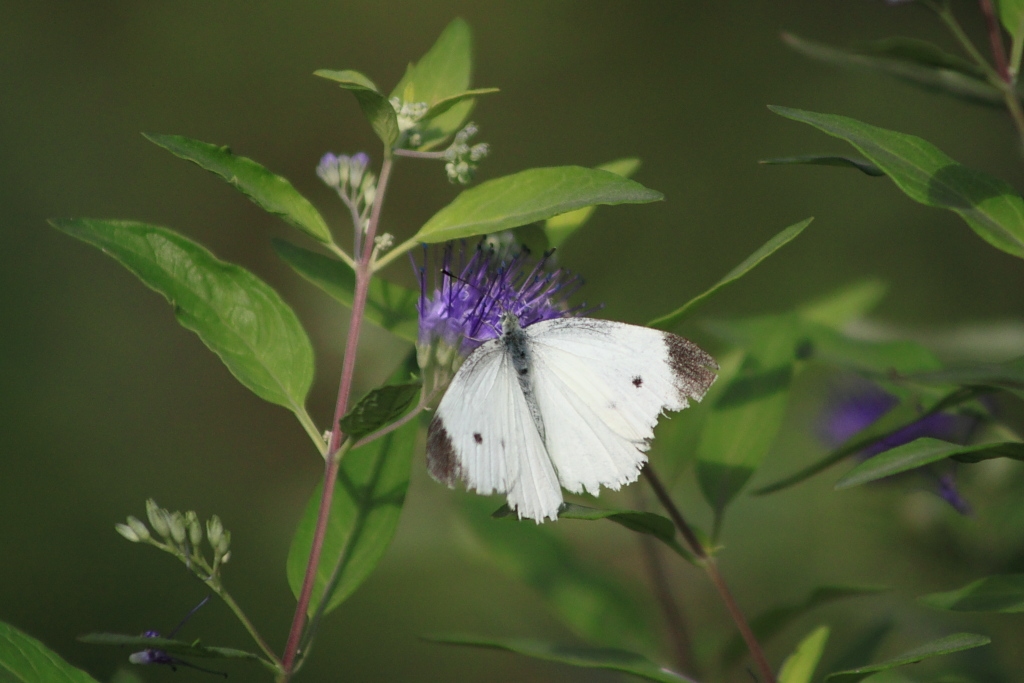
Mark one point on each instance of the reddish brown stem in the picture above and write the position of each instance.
(995, 38)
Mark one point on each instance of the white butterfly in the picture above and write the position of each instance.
(570, 402)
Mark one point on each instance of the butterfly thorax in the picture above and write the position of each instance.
(517, 345)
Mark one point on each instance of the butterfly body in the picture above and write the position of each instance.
(569, 402)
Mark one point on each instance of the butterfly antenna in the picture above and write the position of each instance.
(188, 616)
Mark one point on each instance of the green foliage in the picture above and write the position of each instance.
(442, 74)
(23, 659)
(771, 622)
(367, 504)
(388, 305)
(1011, 14)
(168, 645)
(943, 646)
(1005, 376)
(845, 305)
(237, 315)
(270, 192)
(379, 408)
(608, 658)
(375, 106)
(529, 196)
(799, 667)
(862, 165)
(767, 249)
(989, 205)
(921, 452)
(913, 61)
(589, 601)
(1001, 593)
(561, 227)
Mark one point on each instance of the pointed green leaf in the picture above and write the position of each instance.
(767, 249)
(169, 645)
(388, 305)
(23, 659)
(912, 61)
(1011, 14)
(586, 598)
(771, 622)
(443, 106)
(271, 192)
(864, 645)
(649, 523)
(379, 408)
(1007, 376)
(943, 646)
(375, 106)
(989, 205)
(844, 305)
(608, 658)
(921, 452)
(237, 315)
(799, 667)
(443, 72)
(1002, 593)
(559, 228)
(367, 504)
(528, 196)
(747, 414)
(862, 165)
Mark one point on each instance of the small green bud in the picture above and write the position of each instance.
(224, 560)
(127, 532)
(195, 530)
(177, 525)
(139, 528)
(225, 544)
(158, 518)
(214, 531)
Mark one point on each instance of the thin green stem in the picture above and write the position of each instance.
(947, 17)
(234, 607)
(314, 434)
(708, 563)
(342, 254)
(995, 37)
(418, 155)
(387, 258)
(1016, 51)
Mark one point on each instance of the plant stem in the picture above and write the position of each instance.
(394, 253)
(995, 38)
(419, 155)
(710, 567)
(334, 453)
(230, 602)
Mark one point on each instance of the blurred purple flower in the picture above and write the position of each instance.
(470, 294)
(849, 412)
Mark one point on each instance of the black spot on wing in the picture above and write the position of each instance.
(442, 462)
(477, 437)
(693, 368)
(638, 381)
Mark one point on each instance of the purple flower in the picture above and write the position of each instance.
(471, 292)
(849, 412)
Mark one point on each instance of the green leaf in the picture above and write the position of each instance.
(168, 645)
(237, 315)
(1002, 593)
(528, 196)
(989, 205)
(943, 646)
(270, 192)
(747, 414)
(559, 228)
(864, 645)
(25, 660)
(379, 408)
(365, 510)
(591, 602)
(1007, 376)
(443, 106)
(375, 106)
(767, 249)
(1011, 14)
(912, 61)
(388, 305)
(921, 452)
(649, 523)
(799, 667)
(844, 305)
(612, 659)
(442, 73)
(771, 622)
(862, 165)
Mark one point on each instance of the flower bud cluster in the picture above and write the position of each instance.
(408, 113)
(181, 534)
(348, 176)
(462, 158)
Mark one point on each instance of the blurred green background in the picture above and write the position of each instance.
(107, 401)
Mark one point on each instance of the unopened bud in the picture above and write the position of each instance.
(139, 528)
(214, 531)
(225, 544)
(127, 532)
(224, 560)
(195, 530)
(157, 518)
(328, 170)
(177, 525)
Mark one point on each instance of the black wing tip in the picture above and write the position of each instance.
(694, 368)
(442, 463)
